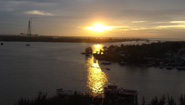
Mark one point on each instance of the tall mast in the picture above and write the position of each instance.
(29, 27)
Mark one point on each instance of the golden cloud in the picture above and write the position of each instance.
(37, 12)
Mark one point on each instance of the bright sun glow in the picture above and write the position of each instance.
(99, 27)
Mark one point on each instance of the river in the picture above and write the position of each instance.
(26, 70)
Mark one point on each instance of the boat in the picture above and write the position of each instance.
(147, 40)
(2, 43)
(27, 44)
(106, 63)
(122, 63)
(107, 68)
(181, 68)
(169, 67)
(83, 53)
(161, 67)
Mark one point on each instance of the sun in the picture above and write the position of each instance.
(99, 27)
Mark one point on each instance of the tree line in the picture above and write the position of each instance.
(142, 54)
(64, 39)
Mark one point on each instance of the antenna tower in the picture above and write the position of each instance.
(29, 27)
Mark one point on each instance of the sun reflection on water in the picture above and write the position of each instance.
(97, 48)
(96, 77)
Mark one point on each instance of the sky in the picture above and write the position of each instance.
(128, 18)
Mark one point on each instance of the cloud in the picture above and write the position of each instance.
(138, 21)
(171, 26)
(37, 12)
(123, 15)
(178, 22)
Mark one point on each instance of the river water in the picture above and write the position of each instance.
(26, 70)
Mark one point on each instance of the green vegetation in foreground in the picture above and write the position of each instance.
(64, 39)
(42, 99)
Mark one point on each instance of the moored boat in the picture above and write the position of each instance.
(181, 68)
(169, 67)
(106, 63)
(27, 44)
(107, 68)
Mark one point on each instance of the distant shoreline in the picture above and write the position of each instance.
(19, 38)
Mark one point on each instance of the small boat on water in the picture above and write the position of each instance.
(2, 43)
(106, 63)
(181, 68)
(147, 40)
(161, 67)
(27, 44)
(122, 63)
(83, 53)
(169, 67)
(107, 68)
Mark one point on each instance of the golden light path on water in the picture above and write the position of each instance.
(97, 48)
(96, 77)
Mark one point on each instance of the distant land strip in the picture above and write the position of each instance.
(19, 38)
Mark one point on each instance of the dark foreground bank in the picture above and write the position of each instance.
(76, 99)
